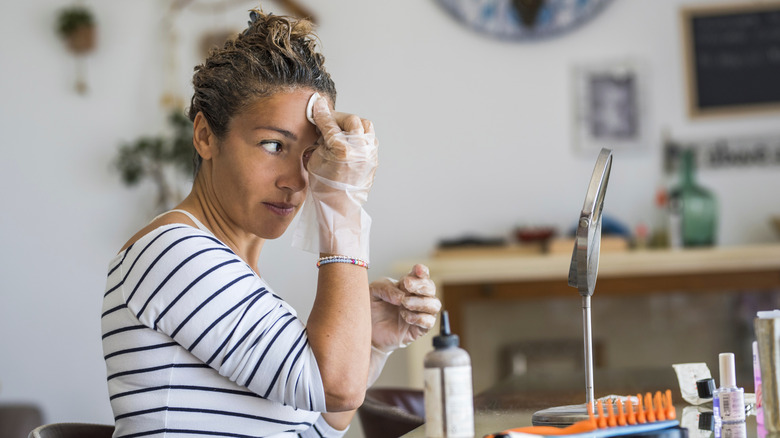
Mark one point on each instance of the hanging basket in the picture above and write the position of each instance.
(82, 40)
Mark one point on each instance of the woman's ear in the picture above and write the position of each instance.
(203, 137)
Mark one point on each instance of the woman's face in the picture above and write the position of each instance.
(259, 174)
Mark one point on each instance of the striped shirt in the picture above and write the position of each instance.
(196, 344)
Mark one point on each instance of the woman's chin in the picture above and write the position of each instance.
(271, 233)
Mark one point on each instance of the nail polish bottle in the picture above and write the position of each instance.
(729, 401)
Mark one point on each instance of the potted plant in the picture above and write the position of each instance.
(159, 158)
(76, 25)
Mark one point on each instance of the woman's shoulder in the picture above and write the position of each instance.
(158, 224)
(173, 243)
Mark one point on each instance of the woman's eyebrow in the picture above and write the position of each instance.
(284, 132)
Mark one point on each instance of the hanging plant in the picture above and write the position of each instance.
(157, 158)
(76, 25)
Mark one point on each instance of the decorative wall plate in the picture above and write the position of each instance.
(523, 19)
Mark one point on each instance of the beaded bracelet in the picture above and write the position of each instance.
(342, 259)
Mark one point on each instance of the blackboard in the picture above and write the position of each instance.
(732, 58)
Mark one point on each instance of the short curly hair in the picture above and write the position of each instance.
(275, 53)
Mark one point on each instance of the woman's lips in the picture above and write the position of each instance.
(280, 208)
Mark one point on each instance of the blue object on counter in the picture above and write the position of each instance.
(609, 226)
(658, 429)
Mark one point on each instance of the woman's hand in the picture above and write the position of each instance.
(404, 310)
(347, 152)
(401, 312)
(341, 173)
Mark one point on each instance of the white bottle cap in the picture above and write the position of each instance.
(766, 314)
(728, 378)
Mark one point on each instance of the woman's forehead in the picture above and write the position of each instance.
(281, 111)
(274, 108)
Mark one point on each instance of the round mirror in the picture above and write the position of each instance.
(585, 257)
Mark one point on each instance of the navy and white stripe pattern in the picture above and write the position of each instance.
(196, 344)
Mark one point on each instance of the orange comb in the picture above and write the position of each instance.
(649, 410)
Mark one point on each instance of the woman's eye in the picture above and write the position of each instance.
(272, 146)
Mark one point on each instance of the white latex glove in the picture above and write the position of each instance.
(341, 173)
(401, 312)
(376, 364)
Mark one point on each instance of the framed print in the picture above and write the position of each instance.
(608, 106)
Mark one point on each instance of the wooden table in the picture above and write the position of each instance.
(497, 275)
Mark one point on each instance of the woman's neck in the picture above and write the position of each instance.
(244, 244)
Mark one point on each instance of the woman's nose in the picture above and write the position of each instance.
(293, 177)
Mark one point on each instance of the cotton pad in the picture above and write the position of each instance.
(310, 107)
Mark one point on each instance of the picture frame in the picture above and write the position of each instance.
(731, 58)
(609, 107)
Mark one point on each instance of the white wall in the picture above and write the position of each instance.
(476, 137)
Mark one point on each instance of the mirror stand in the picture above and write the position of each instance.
(583, 271)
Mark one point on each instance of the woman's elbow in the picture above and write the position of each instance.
(342, 396)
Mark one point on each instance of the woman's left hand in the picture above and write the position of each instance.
(341, 173)
(404, 310)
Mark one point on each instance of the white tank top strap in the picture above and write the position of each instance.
(189, 215)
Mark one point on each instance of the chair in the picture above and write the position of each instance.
(73, 430)
(391, 412)
(16, 419)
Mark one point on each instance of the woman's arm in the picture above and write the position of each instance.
(339, 420)
(341, 172)
(339, 330)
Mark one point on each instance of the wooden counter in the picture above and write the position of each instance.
(506, 275)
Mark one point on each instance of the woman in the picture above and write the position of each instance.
(195, 341)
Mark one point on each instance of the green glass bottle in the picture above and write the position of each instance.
(694, 206)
